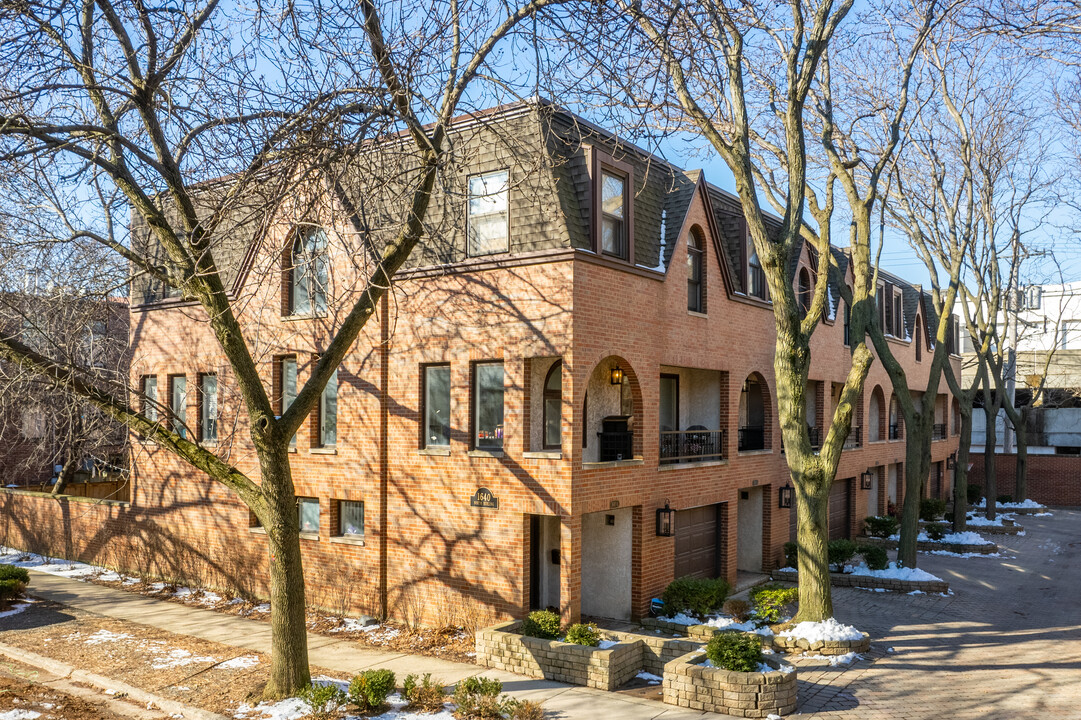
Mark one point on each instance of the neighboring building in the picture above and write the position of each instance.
(584, 339)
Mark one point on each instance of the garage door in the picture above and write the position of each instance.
(838, 508)
(697, 542)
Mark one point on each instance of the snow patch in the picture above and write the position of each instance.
(947, 553)
(829, 630)
(179, 658)
(14, 609)
(19, 714)
(1028, 503)
(728, 623)
(104, 636)
(835, 660)
(649, 677)
(892, 573)
(963, 538)
(605, 644)
(240, 663)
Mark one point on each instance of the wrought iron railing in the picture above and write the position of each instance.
(896, 431)
(938, 431)
(691, 445)
(616, 445)
(752, 438)
(855, 437)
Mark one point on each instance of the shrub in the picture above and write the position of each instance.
(527, 710)
(541, 624)
(948, 517)
(427, 696)
(839, 552)
(583, 634)
(13, 581)
(369, 689)
(478, 698)
(734, 651)
(875, 556)
(325, 700)
(738, 609)
(931, 509)
(791, 554)
(699, 596)
(1004, 499)
(881, 527)
(975, 493)
(10, 572)
(935, 531)
(771, 601)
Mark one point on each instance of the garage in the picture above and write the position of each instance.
(698, 541)
(838, 509)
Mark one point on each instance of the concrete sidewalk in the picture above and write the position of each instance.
(566, 702)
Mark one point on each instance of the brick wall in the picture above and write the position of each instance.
(1052, 479)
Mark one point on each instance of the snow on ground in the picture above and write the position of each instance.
(240, 663)
(1042, 514)
(295, 708)
(179, 658)
(63, 568)
(682, 619)
(16, 609)
(892, 573)
(605, 644)
(105, 636)
(947, 553)
(965, 538)
(728, 623)
(19, 714)
(649, 677)
(1028, 503)
(835, 660)
(829, 630)
(981, 521)
(762, 667)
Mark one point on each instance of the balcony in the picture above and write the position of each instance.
(896, 432)
(694, 445)
(752, 438)
(616, 439)
(855, 438)
(938, 431)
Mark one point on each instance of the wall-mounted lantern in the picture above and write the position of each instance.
(785, 495)
(951, 461)
(867, 479)
(666, 518)
(617, 375)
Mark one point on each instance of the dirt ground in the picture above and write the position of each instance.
(22, 688)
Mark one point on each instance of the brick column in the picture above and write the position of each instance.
(570, 568)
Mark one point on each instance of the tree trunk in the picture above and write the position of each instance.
(990, 486)
(289, 671)
(66, 474)
(812, 537)
(917, 464)
(960, 471)
(1021, 471)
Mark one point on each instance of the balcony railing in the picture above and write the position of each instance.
(855, 437)
(682, 446)
(938, 431)
(752, 438)
(616, 445)
(896, 431)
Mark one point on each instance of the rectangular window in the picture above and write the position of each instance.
(756, 277)
(308, 510)
(436, 412)
(669, 407)
(848, 326)
(488, 406)
(898, 316)
(613, 215)
(150, 397)
(328, 413)
(287, 389)
(489, 214)
(881, 307)
(208, 408)
(178, 401)
(350, 519)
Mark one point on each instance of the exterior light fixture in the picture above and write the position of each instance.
(617, 375)
(785, 495)
(951, 461)
(867, 478)
(665, 521)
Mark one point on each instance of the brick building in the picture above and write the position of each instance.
(583, 339)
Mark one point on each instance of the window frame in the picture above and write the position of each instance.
(205, 408)
(150, 407)
(547, 395)
(425, 435)
(696, 269)
(898, 313)
(307, 500)
(474, 403)
(752, 253)
(804, 291)
(340, 529)
(280, 406)
(601, 164)
(293, 262)
(178, 417)
(469, 214)
(320, 434)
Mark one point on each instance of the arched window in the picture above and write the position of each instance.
(919, 340)
(696, 285)
(309, 273)
(553, 407)
(804, 291)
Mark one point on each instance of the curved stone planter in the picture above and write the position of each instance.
(869, 581)
(827, 647)
(989, 549)
(687, 683)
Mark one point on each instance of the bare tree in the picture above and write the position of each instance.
(209, 124)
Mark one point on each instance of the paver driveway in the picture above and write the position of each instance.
(1006, 644)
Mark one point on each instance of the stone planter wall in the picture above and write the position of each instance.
(698, 632)
(866, 581)
(828, 647)
(990, 549)
(500, 647)
(689, 684)
(658, 650)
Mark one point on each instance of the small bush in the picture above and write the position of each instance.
(875, 556)
(699, 596)
(738, 609)
(527, 710)
(770, 602)
(931, 509)
(791, 555)
(1004, 499)
(583, 634)
(325, 700)
(935, 531)
(10, 572)
(426, 696)
(975, 493)
(541, 624)
(948, 517)
(478, 698)
(881, 527)
(734, 651)
(369, 689)
(840, 552)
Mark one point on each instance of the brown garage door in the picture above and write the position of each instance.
(697, 542)
(838, 509)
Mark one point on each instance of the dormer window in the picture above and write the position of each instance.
(614, 214)
(756, 278)
(489, 216)
(696, 289)
(804, 292)
(898, 314)
(309, 273)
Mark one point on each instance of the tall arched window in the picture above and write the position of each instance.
(804, 291)
(309, 273)
(696, 250)
(553, 407)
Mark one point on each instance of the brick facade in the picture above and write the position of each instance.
(1052, 479)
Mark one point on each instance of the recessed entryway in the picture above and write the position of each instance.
(606, 563)
(544, 532)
